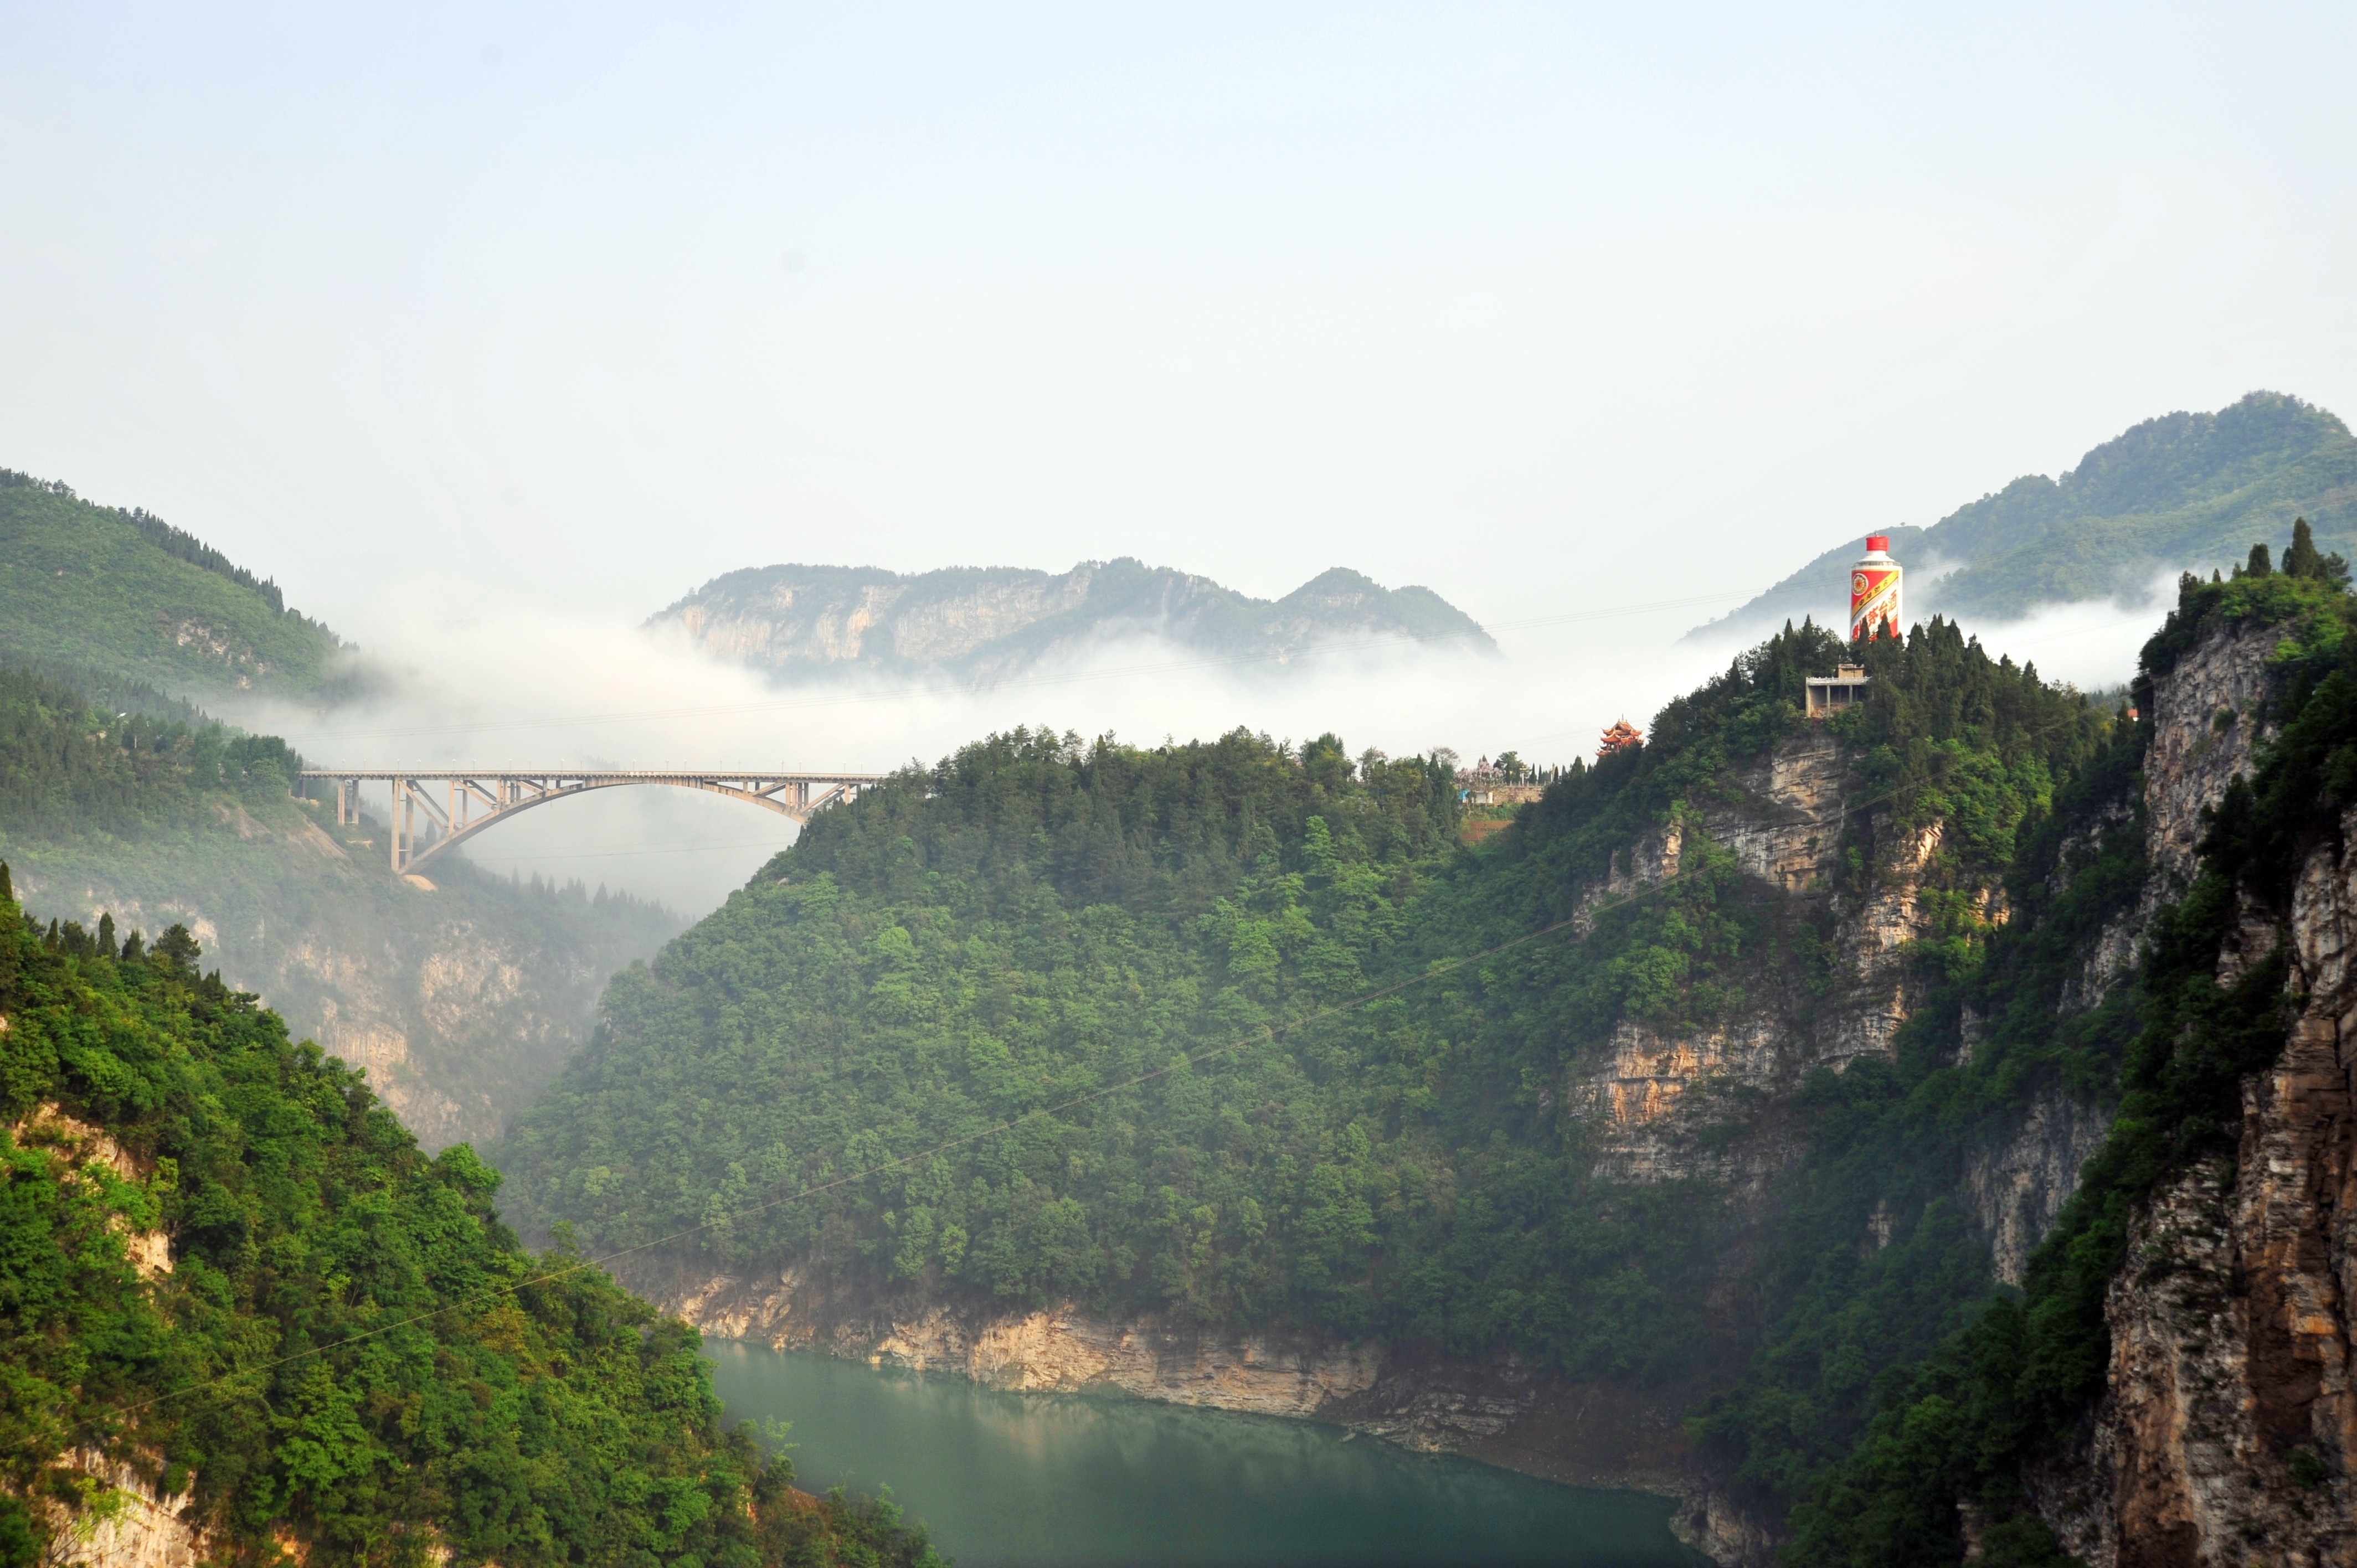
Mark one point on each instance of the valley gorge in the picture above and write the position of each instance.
(1921, 1136)
(460, 999)
(2223, 1416)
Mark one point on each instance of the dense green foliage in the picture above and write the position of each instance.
(2185, 487)
(1951, 736)
(347, 1348)
(124, 593)
(174, 818)
(1364, 1041)
(1895, 1386)
(66, 771)
(980, 944)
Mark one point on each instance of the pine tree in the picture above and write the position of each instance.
(2304, 560)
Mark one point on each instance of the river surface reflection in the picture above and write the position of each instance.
(1078, 1479)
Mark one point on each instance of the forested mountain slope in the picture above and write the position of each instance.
(990, 623)
(121, 594)
(1749, 1078)
(460, 1001)
(1116, 1029)
(2185, 491)
(242, 1315)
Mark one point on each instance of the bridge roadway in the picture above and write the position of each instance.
(476, 797)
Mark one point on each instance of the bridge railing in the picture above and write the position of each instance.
(473, 799)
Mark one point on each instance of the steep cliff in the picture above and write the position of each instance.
(1944, 1105)
(2169, 1384)
(460, 1003)
(2227, 1422)
(989, 623)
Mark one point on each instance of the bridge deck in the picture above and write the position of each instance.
(617, 776)
(475, 798)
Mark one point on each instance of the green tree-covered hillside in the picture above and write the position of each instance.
(224, 1265)
(2185, 491)
(123, 594)
(1265, 1044)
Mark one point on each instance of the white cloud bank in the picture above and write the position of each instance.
(488, 681)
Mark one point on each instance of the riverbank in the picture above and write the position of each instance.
(1091, 1478)
(1499, 1411)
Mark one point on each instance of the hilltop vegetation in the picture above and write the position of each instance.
(224, 1265)
(462, 1002)
(120, 595)
(2185, 491)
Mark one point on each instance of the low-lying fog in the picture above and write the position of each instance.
(481, 680)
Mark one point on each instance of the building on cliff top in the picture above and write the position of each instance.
(1836, 693)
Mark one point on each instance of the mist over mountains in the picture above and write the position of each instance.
(985, 624)
(2185, 491)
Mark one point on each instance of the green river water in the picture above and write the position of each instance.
(1078, 1479)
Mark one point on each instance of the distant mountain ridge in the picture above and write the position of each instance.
(986, 623)
(2185, 491)
(120, 596)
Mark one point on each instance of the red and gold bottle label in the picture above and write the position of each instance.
(1874, 602)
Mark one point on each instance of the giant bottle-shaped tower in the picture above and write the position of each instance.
(1874, 592)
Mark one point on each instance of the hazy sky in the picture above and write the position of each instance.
(1528, 305)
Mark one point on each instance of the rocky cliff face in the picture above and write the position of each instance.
(2229, 1422)
(1661, 1105)
(2016, 1186)
(2208, 715)
(988, 624)
(1656, 1106)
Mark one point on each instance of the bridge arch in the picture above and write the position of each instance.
(474, 799)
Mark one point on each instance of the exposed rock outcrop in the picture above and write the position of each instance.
(1658, 1102)
(2015, 1187)
(2208, 715)
(126, 1523)
(2228, 1426)
(84, 1145)
(1498, 1409)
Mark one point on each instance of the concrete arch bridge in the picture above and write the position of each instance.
(471, 799)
